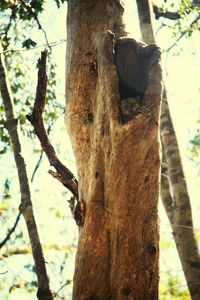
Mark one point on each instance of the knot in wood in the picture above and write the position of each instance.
(152, 248)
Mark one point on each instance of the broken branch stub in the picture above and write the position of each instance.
(63, 174)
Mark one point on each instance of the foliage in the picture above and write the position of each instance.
(188, 21)
(187, 25)
(195, 145)
(20, 68)
(21, 32)
(173, 288)
(25, 10)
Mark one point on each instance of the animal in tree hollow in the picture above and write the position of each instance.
(133, 61)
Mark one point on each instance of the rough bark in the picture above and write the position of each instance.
(26, 209)
(174, 191)
(117, 164)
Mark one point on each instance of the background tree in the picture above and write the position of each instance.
(26, 203)
(174, 191)
(23, 92)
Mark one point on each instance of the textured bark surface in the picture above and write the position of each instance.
(174, 191)
(118, 164)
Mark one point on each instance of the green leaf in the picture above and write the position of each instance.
(22, 119)
(28, 44)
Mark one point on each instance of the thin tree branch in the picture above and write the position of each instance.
(167, 14)
(7, 27)
(183, 33)
(52, 44)
(37, 166)
(3, 273)
(26, 209)
(40, 158)
(172, 15)
(65, 284)
(10, 231)
(31, 11)
(63, 173)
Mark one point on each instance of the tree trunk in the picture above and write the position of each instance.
(26, 208)
(117, 159)
(181, 218)
(177, 205)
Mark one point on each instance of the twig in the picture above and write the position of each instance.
(37, 166)
(11, 231)
(167, 14)
(40, 157)
(63, 173)
(7, 27)
(26, 209)
(65, 284)
(3, 273)
(183, 33)
(52, 44)
(34, 15)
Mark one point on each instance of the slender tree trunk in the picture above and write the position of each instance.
(181, 221)
(177, 205)
(44, 292)
(118, 164)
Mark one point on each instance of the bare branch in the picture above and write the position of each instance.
(10, 231)
(7, 27)
(26, 209)
(183, 33)
(52, 44)
(3, 273)
(65, 284)
(37, 166)
(171, 15)
(64, 175)
(167, 14)
(31, 11)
